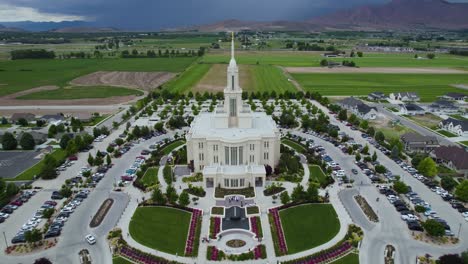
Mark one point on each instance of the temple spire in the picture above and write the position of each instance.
(232, 45)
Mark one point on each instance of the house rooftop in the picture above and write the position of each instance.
(456, 122)
(415, 137)
(413, 107)
(458, 156)
(351, 101)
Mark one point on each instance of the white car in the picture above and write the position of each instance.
(90, 239)
(430, 212)
(409, 217)
(4, 215)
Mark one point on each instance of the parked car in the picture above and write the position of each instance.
(90, 239)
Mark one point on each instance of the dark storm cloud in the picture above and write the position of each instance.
(154, 14)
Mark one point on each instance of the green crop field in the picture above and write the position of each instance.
(312, 59)
(22, 75)
(269, 78)
(81, 92)
(428, 86)
(188, 78)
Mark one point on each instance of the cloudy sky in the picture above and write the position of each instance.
(156, 14)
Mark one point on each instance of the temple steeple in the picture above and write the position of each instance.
(233, 92)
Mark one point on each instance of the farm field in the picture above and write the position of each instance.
(312, 59)
(81, 92)
(427, 86)
(317, 222)
(213, 78)
(20, 75)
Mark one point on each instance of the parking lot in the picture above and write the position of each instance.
(13, 163)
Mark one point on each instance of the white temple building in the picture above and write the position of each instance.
(232, 145)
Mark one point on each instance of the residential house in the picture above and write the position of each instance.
(358, 108)
(411, 109)
(405, 96)
(376, 96)
(414, 142)
(28, 116)
(455, 96)
(83, 117)
(443, 106)
(455, 126)
(53, 119)
(39, 137)
(453, 157)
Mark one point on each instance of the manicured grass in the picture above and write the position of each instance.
(96, 120)
(312, 59)
(298, 148)
(308, 226)
(217, 210)
(459, 117)
(188, 79)
(169, 148)
(161, 228)
(151, 177)
(121, 260)
(464, 143)
(316, 174)
(29, 174)
(446, 133)
(81, 92)
(5, 125)
(351, 258)
(427, 86)
(19, 75)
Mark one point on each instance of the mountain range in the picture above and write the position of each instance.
(394, 15)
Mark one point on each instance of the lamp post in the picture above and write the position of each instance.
(4, 236)
(458, 236)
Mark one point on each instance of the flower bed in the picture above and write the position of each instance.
(247, 192)
(138, 256)
(256, 226)
(191, 247)
(215, 226)
(215, 254)
(277, 232)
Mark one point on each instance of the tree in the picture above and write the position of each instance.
(42, 261)
(90, 160)
(33, 236)
(420, 209)
(364, 124)
(365, 150)
(71, 148)
(108, 160)
(360, 54)
(431, 56)
(66, 191)
(158, 197)
(184, 199)
(448, 183)
(11, 189)
(159, 127)
(380, 169)
(47, 213)
(343, 115)
(284, 197)
(171, 194)
(48, 167)
(298, 194)
(358, 157)
(312, 193)
(52, 131)
(379, 137)
(374, 156)
(451, 259)
(4, 121)
(64, 141)
(461, 192)
(434, 228)
(27, 141)
(428, 167)
(395, 152)
(9, 141)
(22, 122)
(400, 187)
(324, 63)
(371, 131)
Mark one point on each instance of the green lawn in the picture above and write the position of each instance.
(428, 86)
(316, 174)
(446, 133)
(188, 79)
(298, 148)
(19, 75)
(459, 117)
(351, 258)
(464, 143)
(308, 226)
(312, 59)
(169, 148)
(96, 120)
(161, 228)
(151, 177)
(81, 92)
(121, 260)
(29, 174)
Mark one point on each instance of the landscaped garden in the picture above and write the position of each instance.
(446, 133)
(171, 146)
(317, 175)
(151, 177)
(161, 228)
(308, 226)
(247, 192)
(297, 147)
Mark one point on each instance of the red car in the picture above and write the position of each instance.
(51, 203)
(17, 203)
(73, 158)
(126, 178)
